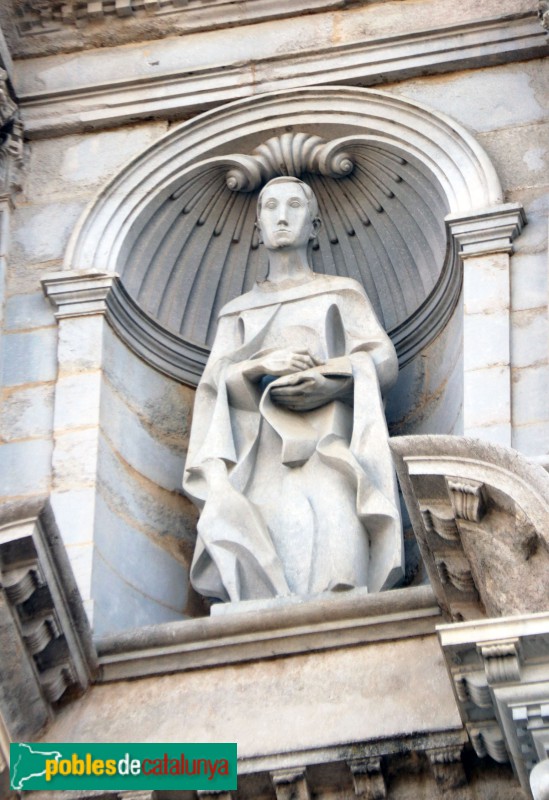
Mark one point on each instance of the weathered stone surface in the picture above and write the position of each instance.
(27, 311)
(480, 99)
(313, 50)
(480, 514)
(307, 702)
(529, 336)
(166, 517)
(520, 153)
(125, 556)
(70, 166)
(530, 388)
(46, 642)
(80, 344)
(499, 674)
(25, 467)
(41, 232)
(27, 412)
(29, 357)
(75, 458)
(139, 447)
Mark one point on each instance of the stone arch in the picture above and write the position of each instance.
(412, 168)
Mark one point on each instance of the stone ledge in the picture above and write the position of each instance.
(313, 625)
(69, 108)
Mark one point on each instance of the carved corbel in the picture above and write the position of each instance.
(223, 795)
(447, 768)
(501, 661)
(499, 669)
(468, 499)
(488, 740)
(291, 784)
(543, 13)
(137, 795)
(368, 779)
(47, 652)
(11, 140)
(473, 688)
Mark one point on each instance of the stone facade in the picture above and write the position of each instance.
(120, 122)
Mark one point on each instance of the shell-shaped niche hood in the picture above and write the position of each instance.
(177, 225)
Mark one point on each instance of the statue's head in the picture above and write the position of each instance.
(287, 213)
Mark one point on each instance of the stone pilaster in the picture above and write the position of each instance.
(79, 300)
(485, 241)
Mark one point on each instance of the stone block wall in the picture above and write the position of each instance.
(108, 436)
(505, 108)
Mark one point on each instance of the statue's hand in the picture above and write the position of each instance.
(279, 363)
(305, 392)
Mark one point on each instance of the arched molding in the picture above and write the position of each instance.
(446, 168)
(480, 513)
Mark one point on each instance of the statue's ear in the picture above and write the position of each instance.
(317, 222)
(257, 227)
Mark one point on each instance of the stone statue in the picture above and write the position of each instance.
(289, 459)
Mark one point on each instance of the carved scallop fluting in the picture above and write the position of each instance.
(382, 225)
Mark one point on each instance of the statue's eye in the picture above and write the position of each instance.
(270, 204)
(295, 202)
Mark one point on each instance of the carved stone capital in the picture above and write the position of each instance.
(487, 231)
(77, 294)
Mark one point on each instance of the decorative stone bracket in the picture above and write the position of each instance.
(480, 514)
(500, 675)
(46, 646)
(469, 500)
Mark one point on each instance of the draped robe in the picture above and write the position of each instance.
(294, 502)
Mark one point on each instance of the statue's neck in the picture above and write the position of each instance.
(288, 266)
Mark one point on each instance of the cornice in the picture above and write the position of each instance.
(63, 26)
(71, 107)
(285, 627)
(499, 673)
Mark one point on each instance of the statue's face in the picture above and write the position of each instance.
(285, 217)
